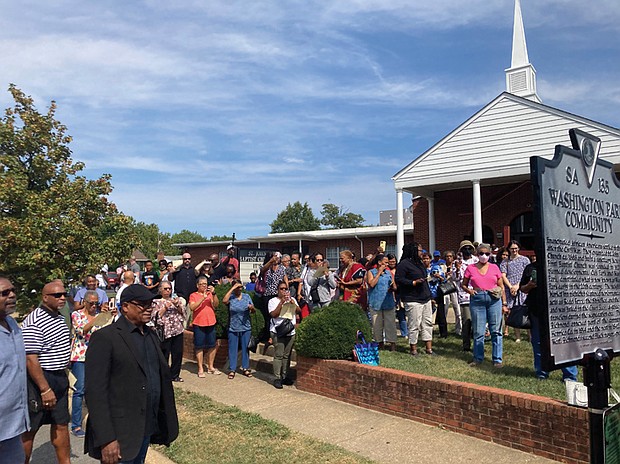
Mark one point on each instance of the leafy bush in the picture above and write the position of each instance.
(221, 314)
(330, 332)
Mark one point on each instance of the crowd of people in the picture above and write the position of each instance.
(138, 335)
(119, 369)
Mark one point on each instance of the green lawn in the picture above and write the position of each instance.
(452, 363)
(212, 432)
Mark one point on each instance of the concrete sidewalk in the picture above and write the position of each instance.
(377, 436)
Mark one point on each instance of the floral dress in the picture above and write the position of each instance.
(513, 268)
(79, 344)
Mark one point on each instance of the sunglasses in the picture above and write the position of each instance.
(485, 254)
(92, 303)
(141, 306)
(319, 260)
(283, 288)
(57, 294)
(167, 288)
(7, 292)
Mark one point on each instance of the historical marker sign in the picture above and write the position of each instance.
(577, 221)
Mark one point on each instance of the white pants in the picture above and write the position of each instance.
(419, 321)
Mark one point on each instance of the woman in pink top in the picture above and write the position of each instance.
(484, 306)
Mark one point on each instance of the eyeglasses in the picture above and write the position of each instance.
(513, 249)
(57, 294)
(141, 306)
(485, 254)
(92, 303)
(202, 284)
(7, 292)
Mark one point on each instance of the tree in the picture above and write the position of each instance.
(220, 238)
(54, 223)
(187, 236)
(295, 218)
(151, 240)
(336, 217)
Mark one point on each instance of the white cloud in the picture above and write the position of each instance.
(247, 100)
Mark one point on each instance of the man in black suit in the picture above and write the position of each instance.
(128, 386)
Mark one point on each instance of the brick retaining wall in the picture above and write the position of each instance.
(530, 423)
(221, 356)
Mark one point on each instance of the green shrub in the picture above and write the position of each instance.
(222, 315)
(330, 332)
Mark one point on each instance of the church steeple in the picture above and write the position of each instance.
(521, 76)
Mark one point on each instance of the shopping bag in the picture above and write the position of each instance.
(366, 353)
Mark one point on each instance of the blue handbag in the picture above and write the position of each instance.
(366, 353)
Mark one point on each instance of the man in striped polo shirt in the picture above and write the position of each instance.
(48, 349)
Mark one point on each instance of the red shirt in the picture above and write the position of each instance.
(204, 315)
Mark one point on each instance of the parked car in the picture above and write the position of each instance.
(113, 281)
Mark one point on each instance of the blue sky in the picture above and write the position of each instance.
(212, 115)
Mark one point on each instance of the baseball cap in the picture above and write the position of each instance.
(230, 247)
(436, 253)
(137, 292)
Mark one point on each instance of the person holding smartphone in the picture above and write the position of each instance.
(85, 322)
(203, 303)
(283, 309)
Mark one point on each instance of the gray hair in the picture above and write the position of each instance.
(201, 278)
(483, 245)
(91, 293)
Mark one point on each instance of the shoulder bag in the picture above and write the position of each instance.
(519, 316)
(285, 328)
(447, 287)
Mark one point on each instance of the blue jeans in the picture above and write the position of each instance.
(139, 459)
(77, 369)
(485, 309)
(233, 347)
(568, 373)
(402, 321)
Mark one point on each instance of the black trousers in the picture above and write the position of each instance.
(440, 317)
(467, 328)
(263, 335)
(173, 347)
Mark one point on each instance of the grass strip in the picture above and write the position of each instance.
(210, 432)
(452, 363)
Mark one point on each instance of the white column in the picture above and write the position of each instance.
(300, 248)
(400, 224)
(477, 211)
(431, 224)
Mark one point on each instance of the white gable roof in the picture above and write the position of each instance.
(497, 142)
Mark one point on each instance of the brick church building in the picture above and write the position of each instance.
(474, 183)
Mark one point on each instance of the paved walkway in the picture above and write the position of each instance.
(380, 437)
(377, 436)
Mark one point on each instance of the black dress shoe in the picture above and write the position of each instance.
(287, 381)
(278, 384)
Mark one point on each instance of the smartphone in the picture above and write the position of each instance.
(111, 304)
(534, 275)
(382, 245)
